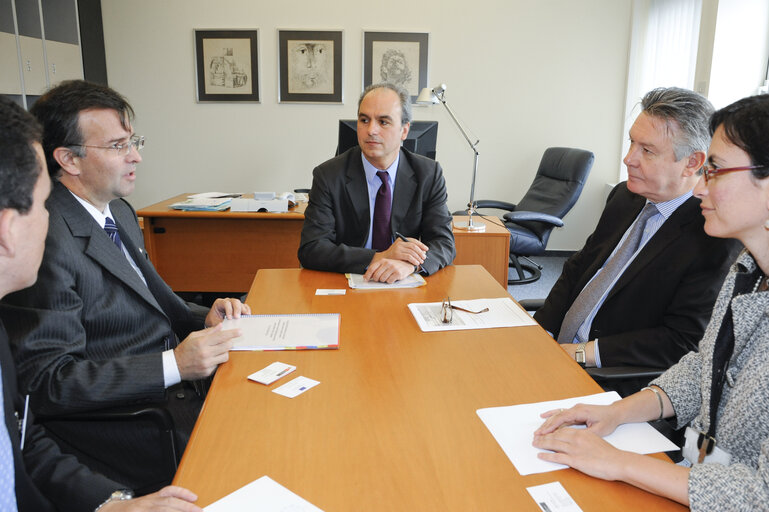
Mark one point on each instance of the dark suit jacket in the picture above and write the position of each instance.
(659, 307)
(337, 218)
(42, 472)
(89, 334)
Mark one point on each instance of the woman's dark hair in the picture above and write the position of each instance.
(746, 125)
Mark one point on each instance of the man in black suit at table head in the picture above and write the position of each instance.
(362, 199)
(640, 292)
(39, 477)
(100, 328)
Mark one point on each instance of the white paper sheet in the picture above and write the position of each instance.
(411, 281)
(513, 428)
(264, 495)
(503, 312)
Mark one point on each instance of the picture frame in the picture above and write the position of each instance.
(310, 66)
(397, 57)
(227, 65)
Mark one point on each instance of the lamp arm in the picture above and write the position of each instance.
(459, 125)
(471, 205)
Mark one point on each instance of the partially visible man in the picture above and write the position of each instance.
(641, 290)
(39, 477)
(363, 199)
(101, 328)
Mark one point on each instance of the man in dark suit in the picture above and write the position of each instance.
(651, 307)
(363, 199)
(101, 328)
(38, 477)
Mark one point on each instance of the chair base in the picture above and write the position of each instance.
(532, 268)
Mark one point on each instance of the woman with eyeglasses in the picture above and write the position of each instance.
(721, 393)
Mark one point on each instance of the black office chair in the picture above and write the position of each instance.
(556, 187)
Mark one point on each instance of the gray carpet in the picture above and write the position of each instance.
(539, 289)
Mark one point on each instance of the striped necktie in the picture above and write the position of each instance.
(111, 229)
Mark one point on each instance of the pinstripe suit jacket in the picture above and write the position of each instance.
(89, 334)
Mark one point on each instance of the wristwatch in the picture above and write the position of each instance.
(580, 355)
(118, 495)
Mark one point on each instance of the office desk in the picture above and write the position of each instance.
(221, 251)
(392, 424)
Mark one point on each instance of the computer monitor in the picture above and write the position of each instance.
(422, 137)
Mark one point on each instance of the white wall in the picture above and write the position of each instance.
(522, 75)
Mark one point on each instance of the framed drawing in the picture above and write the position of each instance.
(310, 66)
(397, 57)
(227, 64)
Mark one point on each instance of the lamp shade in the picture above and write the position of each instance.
(427, 97)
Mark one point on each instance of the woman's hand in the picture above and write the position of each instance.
(583, 450)
(601, 420)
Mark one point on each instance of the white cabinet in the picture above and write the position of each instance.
(39, 43)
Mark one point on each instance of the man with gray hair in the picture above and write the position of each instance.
(378, 209)
(641, 290)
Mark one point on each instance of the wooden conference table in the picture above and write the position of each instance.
(221, 251)
(392, 424)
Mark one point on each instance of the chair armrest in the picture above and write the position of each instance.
(531, 304)
(493, 203)
(624, 372)
(157, 414)
(535, 216)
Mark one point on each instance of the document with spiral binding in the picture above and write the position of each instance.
(286, 332)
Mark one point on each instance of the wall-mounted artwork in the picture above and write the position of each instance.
(227, 65)
(310, 66)
(396, 57)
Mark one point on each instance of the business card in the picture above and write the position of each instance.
(295, 387)
(271, 373)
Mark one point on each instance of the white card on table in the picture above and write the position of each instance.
(295, 387)
(271, 373)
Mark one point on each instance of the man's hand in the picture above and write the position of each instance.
(387, 271)
(226, 308)
(202, 351)
(413, 252)
(165, 500)
(398, 261)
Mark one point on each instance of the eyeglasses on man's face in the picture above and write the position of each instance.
(710, 172)
(121, 148)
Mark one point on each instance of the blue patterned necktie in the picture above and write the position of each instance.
(592, 293)
(111, 229)
(7, 474)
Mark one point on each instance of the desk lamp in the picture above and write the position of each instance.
(436, 95)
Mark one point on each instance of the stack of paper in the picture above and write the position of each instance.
(200, 204)
(286, 332)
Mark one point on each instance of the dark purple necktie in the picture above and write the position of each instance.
(381, 237)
